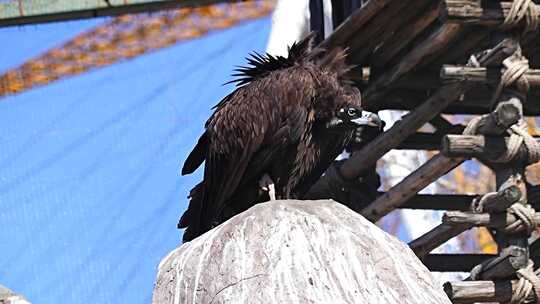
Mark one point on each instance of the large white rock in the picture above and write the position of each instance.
(295, 252)
(9, 297)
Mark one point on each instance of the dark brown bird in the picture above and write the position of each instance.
(279, 130)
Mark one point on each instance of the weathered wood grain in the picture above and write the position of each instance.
(476, 12)
(492, 220)
(435, 238)
(482, 291)
(408, 187)
(483, 74)
(488, 148)
(354, 22)
(463, 262)
(404, 35)
(439, 40)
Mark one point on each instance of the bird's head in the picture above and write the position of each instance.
(351, 117)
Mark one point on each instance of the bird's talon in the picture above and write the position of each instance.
(267, 185)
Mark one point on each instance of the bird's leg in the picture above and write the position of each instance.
(267, 184)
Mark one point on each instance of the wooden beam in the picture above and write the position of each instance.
(382, 28)
(476, 12)
(410, 185)
(435, 238)
(474, 39)
(439, 40)
(357, 20)
(40, 11)
(488, 148)
(467, 106)
(482, 74)
(458, 202)
(465, 292)
(422, 141)
(492, 220)
(443, 262)
(404, 35)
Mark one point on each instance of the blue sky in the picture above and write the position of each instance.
(90, 190)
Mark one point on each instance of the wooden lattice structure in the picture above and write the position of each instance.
(435, 57)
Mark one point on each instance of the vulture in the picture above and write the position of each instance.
(274, 135)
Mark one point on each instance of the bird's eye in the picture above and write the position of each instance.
(351, 112)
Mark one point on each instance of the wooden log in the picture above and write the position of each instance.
(511, 173)
(444, 126)
(419, 81)
(382, 28)
(476, 38)
(443, 262)
(409, 186)
(506, 113)
(488, 148)
(459, 202)
(465, 107)
(475, 101)
(482, 74)
(492, 220)
(366, 157)
(506, 196)
(431, 46)
(422, 141)
(509, 260)
(508, 174)
(476, 12)
(354, 22)
(405, 35)
(435, 238)
(462, 202)
(483, 291)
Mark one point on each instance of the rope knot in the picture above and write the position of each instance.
(525, 218)
(519, 135)
(522, 9)
(513, 72)
(477, 204)
(528, 282)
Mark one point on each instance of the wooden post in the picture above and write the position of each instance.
(483, 291)
(472, 12)
(444, 262)
(486, 148)
(435, 238)
(459, 202)
(482, 74)
(492, 220)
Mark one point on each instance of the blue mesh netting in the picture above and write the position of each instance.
(90, 191)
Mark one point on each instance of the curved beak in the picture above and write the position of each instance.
(368, 119)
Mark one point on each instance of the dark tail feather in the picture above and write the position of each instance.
(197, 156)
(192, 216)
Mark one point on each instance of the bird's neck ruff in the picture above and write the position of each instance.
(302, 52)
